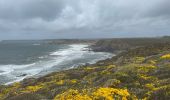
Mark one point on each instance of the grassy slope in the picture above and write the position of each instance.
(117, 44)
(142, 72)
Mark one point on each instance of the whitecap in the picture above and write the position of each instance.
(56, 60)
(74, 48)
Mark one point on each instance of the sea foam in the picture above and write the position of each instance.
(58, 60)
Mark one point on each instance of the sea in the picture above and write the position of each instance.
(20, 59)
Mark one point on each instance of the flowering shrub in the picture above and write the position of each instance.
(111, 94)
(100, 93)
(159, 93)
(72, 95)
(73, 81)
(89, 68)
(146, 68)
(111, 66)
(152, 62)
(105, 72)
(138, 59)
(167, 56)
(145, 77)
(6, 90)
(61, 82)
(32, 88)
(150, 86)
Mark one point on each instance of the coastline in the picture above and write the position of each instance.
(85, 48)
(139, 72)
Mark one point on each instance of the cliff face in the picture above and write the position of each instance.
(142, 72)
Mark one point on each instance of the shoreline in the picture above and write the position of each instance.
(86, 48)
(141, 72)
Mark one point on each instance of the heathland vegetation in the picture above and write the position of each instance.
(140, 71)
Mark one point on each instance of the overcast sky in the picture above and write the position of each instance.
(39, 19)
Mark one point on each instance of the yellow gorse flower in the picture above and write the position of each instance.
(111, 94)
(167, 56)
(72, 95)
(100, 93)
(61, 82)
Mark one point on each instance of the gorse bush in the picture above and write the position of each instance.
(167, 56)
(99, 94)
(111, 94)
(72, 95)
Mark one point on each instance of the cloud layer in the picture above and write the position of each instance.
(36, 19)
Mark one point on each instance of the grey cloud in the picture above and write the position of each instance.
(84, 18)
(28, 9)
(159, 9)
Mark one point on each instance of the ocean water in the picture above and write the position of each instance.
(24, 59)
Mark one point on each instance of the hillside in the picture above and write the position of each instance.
(124, 44)
(141, 71)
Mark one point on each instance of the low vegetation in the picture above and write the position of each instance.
(134, 75)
